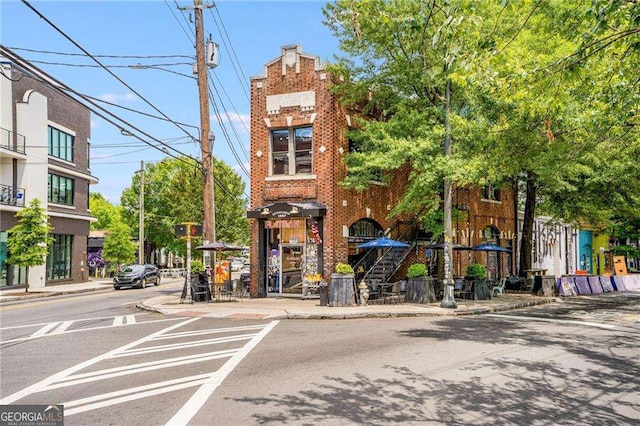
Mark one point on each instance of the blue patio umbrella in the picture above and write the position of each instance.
(492, 247)
(382, 242)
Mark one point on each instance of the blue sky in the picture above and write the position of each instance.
(256, 30)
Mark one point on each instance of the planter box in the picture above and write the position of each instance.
(342, 290)
(420, 290)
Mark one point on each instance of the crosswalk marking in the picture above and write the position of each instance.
(117, 321)
(62, 327)
(206, 383)
(44, 330)
(38, 387)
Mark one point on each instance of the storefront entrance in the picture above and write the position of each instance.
(289, 247)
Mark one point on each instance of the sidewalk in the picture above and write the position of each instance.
(293, 308)
(284, 308)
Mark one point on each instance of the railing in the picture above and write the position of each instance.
(12, 141)
(11, 196)
(392, 256)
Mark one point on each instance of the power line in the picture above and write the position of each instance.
(232, 106)
(89, 104)
(179, 23)
(24, 49)
(226, 134)
(138, 112)
(231, 50)
(99, 63)
(134, 66)
(233, 128)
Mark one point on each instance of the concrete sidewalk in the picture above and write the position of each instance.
(296, 308)
(11, 294)
(285, 307)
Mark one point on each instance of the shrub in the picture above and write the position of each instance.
(344, 268)
(476, 270)
(197, 267)
(417, 270)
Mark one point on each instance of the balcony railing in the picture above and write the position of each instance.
(12, 140)
(11, 196)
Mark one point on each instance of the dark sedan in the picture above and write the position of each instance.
(137, 276)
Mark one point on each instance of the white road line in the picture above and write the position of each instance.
(559, 321)
(196, 357)
(193, 405)
(37, 387)
(20, 339)
(104, 376)
(210, 331)
(61, 329)
(134, 393)
(131, 319)
(44, 330)
(184, 345)
(76, 320)
(117, 321)
(129, 303)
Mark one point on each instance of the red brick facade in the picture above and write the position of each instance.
(296, 88)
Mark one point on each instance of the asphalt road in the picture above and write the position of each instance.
(109, 363)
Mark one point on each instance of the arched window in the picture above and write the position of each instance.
(365, 228)
(490, 234)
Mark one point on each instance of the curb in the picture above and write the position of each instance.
(364, 315)
(44, 294)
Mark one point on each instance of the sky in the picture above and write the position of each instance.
(250, 34)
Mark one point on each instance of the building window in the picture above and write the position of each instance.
(60, 144)
(59, 257)
(60, 190)
(491, 192)
(291, 151)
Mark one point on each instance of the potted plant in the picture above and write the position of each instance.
(419, 286)
(475, 271)
(343, 282)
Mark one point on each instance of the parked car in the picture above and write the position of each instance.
(136, 276)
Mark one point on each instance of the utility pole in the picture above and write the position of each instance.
(141, 218)
(205, 126)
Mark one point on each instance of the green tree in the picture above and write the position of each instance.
(30, 239)
(118, 249)
(103, 210)
(173, 194)
(524, 111)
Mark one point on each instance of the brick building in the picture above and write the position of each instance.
(44, 154)
(304, 222)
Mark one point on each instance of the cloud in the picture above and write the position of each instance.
(115, 97)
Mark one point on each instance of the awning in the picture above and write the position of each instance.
(288, 209)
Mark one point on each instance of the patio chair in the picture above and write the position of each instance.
(467, 290)
(499, 289)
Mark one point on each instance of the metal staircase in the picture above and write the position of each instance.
(392, 258)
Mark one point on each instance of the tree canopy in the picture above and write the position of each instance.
(544, 93)
(30, 239)
(173, 195)
(103, 210)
